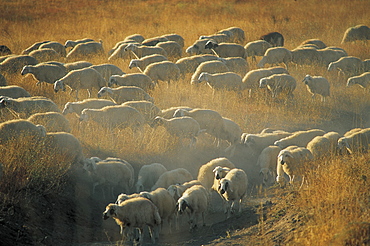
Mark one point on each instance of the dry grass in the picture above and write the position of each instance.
(338, 190)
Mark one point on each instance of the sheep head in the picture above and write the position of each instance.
(26, 70)
(307, 79)
(103, 91)
(203, 77)
(112, 80)
(220, 172)
(133, 63)
(182, 204)
(211, 44)
(110, 211)
(224, 186)
(284, 157)
(59, 85)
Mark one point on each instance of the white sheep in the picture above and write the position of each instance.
(133, 79)
(214, 66)
(118, 44)
(320, 147)
(85, 78)
(175, 37)
(175, 176)
(154, 41)
(317, 85)
(348, 65)
(291, 161)
(222, 81)
(70, 66)
(141, 51)
(121, 53)
(148, 176)
(107, 70)
(331, 54)
(14, 64)
(145, 61)
(196, 198)
(135, 213)
(86, 50)
(226, 49)
(44, 55)
(356, 141)
(198, 47)
(306, 56)
(359, 32)
(73, 43)
(164, 71)
(236, 65)
(218, 38)
(12, 130)
(13, 91)
(135, 37)
(58, 47)
(275, 56)
(168, 113)
(181, 127)
(34, 46)
(361, 80)
(172, 48)
(114, 116)
(317, 42)
(235, 33)
(278, 83)
(256, 48)
(232, 134)
(52, 121)
(267, 163)
(299, 138)
(189, 64)
(333, 138)
(123, 197)
(44, 72)
(177, 190)
(233, 188)
(125, 93)
(146, 108)
(92, 103)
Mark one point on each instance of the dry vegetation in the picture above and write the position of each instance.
(333, 208)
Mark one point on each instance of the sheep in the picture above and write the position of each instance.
(198, 48)
(12, 130)
(175, 37)
(172, 48)
(110, 174)
(58, 47)
(154, 41)
(85, 78)
(13, 91)
(267, 164)
(73, 43)
(278, 83)
(196, 198)
(77, 65)
(117, 116)
(232, 134)
(123, 94)
(145, 61)
(175, 176)
(317, 85)
(330, 54)
(361, 80)
(354, 142)
(124, 43)
(140, 80)
(319, 146)
(26, 106)
(275, 56)
(306, 56)
(169, 112)
(177, 190)
(77, 107)
(189, 64)
(218, 38)
(222, 81)
(164, 71)
(141, 51)
(44, 72)
(33, 47)
(359, 32)
(206, 174)
(135, 213)
(14, 64)
(237, 65)
(226, 49)
(121, 53)
(235, 33)
(146, 108)
(299, 138)
(46, 54)
(317, 42)
(274, 38)
(52, 121)
(148, 176)
(135, 37)
(348, 65)
(3, 80)
(333, 138)
(86, 50)
(107, 70)
(123, 197)
(256, 48)
(233, 188)
(181, 127)
(209, 67)
(291, 161)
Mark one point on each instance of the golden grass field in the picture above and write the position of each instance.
(337, 196)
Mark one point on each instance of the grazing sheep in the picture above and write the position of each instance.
(146, 108)
(125, 93)
(331, 54)
(164, 71)
(226, 49)
(274, 38)
(278, 83)
(123, 197)
(267, 164)
(252, 78)
(135, 37)
(317, 42)
(198, 48)
(182, 127)
(77, 65)
(121, 53)
(236, 34)
(44, 72)
(206, 174)
(13, 91)
(12, 130)
(176, 176)
(306, 56)
(154, 41)
(73, 43)
(256, 48)
(348, 65)
(15, 64)
(33, 47)
(44, 55)
(236, 65)
(359, 32)
(196, 198)
(175, 37)
(52, 121)
(77, 107)
(275, 56)
(333, 138)
(169, 112)
(141, 51)
(361, 80)
(148, 176)
(132, 79)
(107, 70)
(58, 47)
(355, 141)
(232, 134)
(135, 213)
(172, 48)
(222, 81)
(317, 85)
(291, 161)
(177, 190)
(299, 138)
(209, 67)
(218, 38)
(85, 78)
(26, 106)
(114, 116)
(124, 43)
(319, 146)
(189, 64)
(145, 61)
(233, 188)
(86, 50)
